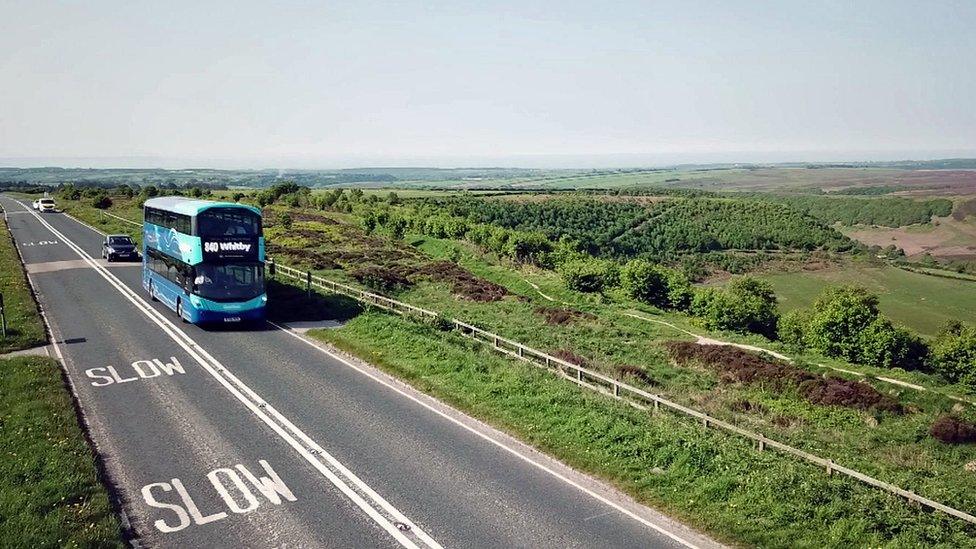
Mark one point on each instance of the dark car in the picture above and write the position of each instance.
(119, 246)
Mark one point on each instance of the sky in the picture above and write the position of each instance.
(323, 84)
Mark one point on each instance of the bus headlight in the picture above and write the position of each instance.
(195, 301)
(264, 298)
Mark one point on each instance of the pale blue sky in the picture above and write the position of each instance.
(329, 84)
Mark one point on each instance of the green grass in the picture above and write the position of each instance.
(710, 480)
(24, 326)
(50, 493)
(916, 300)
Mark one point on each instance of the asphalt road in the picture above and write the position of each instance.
(224, 438)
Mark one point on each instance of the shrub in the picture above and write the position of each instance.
(747, 304)
(792, 326)
(741, 366)
(841, 313)
(101, 201)
(585, 275)
(884, 345)
(646, 282)
(285, 220)
(952, 430)
(954, 354)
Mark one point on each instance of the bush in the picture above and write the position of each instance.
(585, 275)
(841, 313)
(101, 201)
(845, 323)
(952, 430)
(884, 345)
(792, 326)
(646, 282)
(680, 290)
(954, 354)
(69, 192)
(747, 304)
(285, 220)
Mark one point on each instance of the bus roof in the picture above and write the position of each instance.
(191, 206)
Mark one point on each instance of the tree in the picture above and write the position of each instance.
(149, 191)
(792, 326)
(644, 281)
(237, 197)
(840, 314)
(523, 246)
(884, 345)
(101, 201)
(746, 304)
(584, 275)
(954, 354)
(396, 225)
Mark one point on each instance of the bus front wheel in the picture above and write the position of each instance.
(152, 292)
(179, 309)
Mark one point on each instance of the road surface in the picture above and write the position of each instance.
(226, 438)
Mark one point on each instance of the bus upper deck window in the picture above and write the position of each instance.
(228, 222)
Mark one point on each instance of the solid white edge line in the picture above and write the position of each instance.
(484, 436)
(172, 331)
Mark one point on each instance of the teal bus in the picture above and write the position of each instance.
(204, 259)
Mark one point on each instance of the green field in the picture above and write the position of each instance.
(921, 302)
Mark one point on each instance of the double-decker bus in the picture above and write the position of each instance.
(204, 259)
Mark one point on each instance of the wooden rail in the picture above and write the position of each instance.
(602, 383)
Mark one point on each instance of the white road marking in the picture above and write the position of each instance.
(490, 439)
(228, 483)
(378, 509)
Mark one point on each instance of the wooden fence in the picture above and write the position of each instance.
(599, 382)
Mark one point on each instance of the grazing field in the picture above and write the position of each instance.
(944, 237)
(916, 300)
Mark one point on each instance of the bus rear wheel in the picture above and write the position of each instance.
(152, 292)
(179, 309)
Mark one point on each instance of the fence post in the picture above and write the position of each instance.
(308, 284)
(3, 317)
(271, 268)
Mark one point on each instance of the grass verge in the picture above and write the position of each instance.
(50, 493)
(24, 326)
(712, 481)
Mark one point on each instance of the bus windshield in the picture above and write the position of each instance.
(229, 282)
(228, 222)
